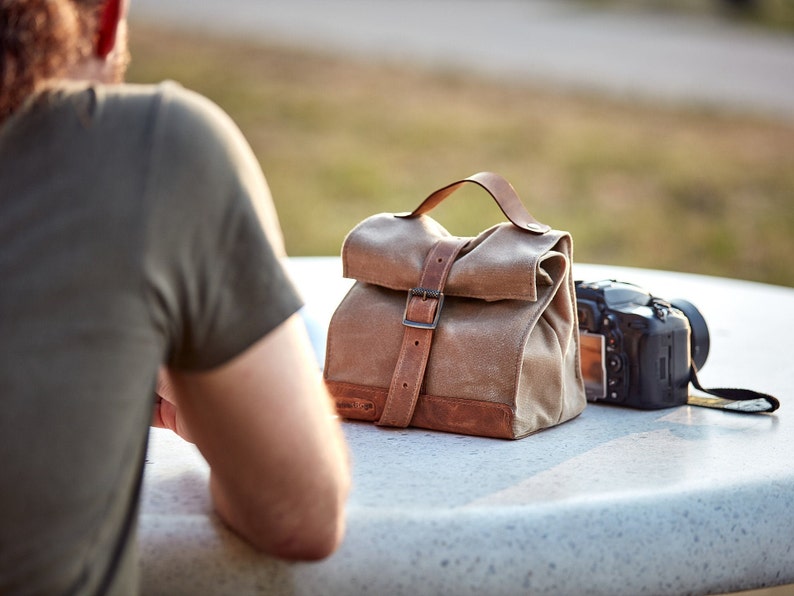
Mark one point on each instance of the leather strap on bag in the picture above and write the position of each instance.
(422, 311)
(502, 192)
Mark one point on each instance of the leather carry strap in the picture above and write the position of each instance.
(502, 192)
(422, 311)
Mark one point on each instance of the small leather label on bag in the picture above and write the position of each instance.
(354, 407)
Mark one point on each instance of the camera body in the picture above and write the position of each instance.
(637, 350)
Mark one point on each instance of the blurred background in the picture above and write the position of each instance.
(660, 134)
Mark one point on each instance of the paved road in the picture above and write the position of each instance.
(659, 56)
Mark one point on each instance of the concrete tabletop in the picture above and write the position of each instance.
(617, 501)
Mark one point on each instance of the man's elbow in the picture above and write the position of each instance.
(299, 536)
(308, 544)
(302, 529)
(310, 528)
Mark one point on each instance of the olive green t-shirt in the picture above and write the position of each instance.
(127, 239)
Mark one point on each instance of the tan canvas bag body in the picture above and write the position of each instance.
(468, 335)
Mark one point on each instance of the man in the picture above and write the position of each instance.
(131, 241)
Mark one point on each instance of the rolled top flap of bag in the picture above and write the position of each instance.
(501, 263)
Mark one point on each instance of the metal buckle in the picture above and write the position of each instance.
(425, 294)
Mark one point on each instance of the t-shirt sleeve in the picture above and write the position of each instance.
(216, 282)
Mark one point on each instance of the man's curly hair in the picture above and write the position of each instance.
(40, 40)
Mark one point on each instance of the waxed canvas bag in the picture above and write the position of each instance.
(474, 335)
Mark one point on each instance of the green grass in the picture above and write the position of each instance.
(679, 188)
(775, 15)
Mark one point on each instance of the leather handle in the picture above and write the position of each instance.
(502, 192)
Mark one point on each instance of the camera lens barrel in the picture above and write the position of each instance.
(700, 341)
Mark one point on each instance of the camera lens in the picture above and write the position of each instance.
(699, 340)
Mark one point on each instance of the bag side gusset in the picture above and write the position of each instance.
(551, 352)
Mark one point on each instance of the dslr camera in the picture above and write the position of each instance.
(637, 350)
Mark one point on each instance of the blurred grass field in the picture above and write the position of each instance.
(776, 15)
(679, 188)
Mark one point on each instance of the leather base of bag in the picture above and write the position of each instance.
(476, 336)
(434, 412)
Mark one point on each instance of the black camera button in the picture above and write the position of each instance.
(615, 363)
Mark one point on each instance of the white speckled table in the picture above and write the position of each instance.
(680, 501)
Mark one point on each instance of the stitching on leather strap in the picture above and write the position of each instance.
(422, 312)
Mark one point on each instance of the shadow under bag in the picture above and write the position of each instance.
(467, 335)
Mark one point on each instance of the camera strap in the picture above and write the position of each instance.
(735, 400)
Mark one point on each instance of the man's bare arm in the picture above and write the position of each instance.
(264, 423)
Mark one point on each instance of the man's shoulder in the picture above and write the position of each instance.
(167, 95)
(186, 120)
